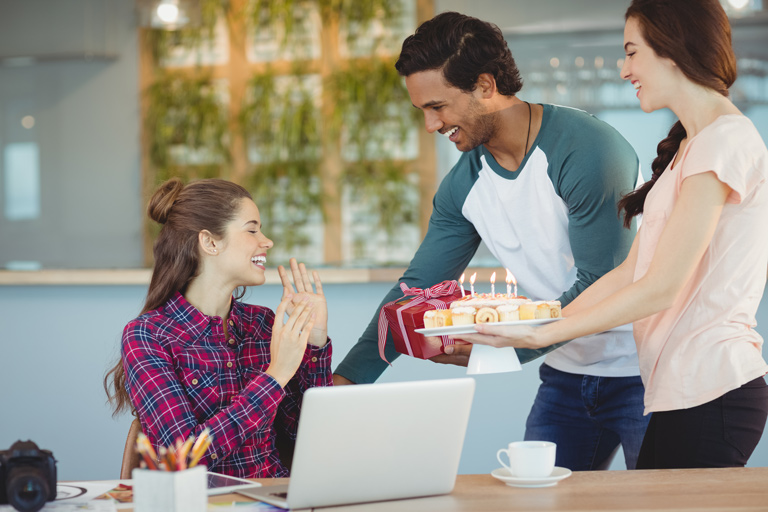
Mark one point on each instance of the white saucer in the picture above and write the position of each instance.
(547, 481)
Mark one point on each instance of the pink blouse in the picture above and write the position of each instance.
(705, 344)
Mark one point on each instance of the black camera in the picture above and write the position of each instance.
(27, 476)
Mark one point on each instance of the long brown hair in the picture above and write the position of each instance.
(696, 36)
(184, 211)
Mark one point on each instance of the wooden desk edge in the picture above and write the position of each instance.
(722, 489)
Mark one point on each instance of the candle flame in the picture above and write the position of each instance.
(493, 278)
(472, 278)
(461, 279)
(511, 278)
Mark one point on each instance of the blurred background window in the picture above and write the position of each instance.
(100, 100)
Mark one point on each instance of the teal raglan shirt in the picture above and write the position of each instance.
(554, 223)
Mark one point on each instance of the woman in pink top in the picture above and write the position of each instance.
(696, 272)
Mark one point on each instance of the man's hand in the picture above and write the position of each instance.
(338, 380)
(457, 354)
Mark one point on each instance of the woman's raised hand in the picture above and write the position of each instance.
(289, 338)
(304, 292)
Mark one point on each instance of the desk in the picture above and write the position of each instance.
(726, 489)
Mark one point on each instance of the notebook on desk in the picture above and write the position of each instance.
(375, 442)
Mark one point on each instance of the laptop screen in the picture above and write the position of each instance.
(374, 442)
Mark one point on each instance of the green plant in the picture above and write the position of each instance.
(374, 115)
(163, 42)
(367, 95)
(280, 117)
(362, 12)
(288, 196)
(266, 14)
(383, 187)
(282, 125)
(186, 126)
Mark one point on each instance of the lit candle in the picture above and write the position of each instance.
(509, 283)
(461, 284)
(472, 284)
(493, 284)
(514, 282)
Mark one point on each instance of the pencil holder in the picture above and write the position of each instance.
(170, 491)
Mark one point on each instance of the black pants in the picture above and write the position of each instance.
(720, 433)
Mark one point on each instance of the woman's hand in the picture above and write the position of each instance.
(289, 338)
(304, 292)
(518, 336)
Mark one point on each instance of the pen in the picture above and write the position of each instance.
(178, 457)
(142, 441)
(201, 439)
(147, 459)
(170, 458)
(183, 451)
(198, 453)
(146, 451)
(164, 459)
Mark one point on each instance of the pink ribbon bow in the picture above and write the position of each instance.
(421, 295)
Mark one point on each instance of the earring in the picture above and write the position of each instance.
(214, 251)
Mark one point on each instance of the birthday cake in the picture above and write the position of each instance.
(491, 308)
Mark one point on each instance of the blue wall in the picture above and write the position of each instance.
(56, 342)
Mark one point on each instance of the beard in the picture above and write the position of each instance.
(480, 128)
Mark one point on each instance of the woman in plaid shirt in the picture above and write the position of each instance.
(199, 358)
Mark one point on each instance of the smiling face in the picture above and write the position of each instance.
(656, 79)
(457, 114)
(243, 250)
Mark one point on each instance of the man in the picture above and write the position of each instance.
(539, 185)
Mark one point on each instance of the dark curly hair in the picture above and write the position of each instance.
(463, 47)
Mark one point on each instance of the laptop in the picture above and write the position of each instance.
(375, 442)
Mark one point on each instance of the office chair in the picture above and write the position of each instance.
(131, 455)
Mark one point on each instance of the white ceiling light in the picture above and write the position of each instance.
(168, 12)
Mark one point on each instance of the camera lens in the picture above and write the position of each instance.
(27, 489)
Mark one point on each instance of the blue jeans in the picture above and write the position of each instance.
(588, 417)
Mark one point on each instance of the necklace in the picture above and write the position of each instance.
(528, 135)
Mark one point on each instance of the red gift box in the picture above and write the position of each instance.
(405, 315)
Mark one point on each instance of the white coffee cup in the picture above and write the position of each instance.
(529, 459)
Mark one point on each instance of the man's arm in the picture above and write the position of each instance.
(446, 250)
(591, 182)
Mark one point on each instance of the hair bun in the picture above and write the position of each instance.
(163, 199)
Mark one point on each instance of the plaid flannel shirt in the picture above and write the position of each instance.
(183, 375)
